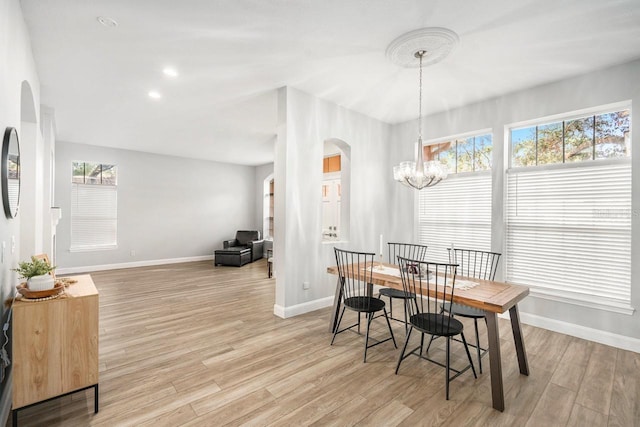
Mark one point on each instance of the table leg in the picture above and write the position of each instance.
(335, 311)
(519, 340)
(96, 408)
(495, 361)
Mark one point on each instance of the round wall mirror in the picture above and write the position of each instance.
(10, 172)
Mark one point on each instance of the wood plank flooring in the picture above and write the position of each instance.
(197, 345)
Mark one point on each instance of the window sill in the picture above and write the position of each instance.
(93, 248)
(334, 242)
(615, 307)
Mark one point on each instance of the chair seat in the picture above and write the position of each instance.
(463, 310)
(437, 324)
(396, 293)
(364, 304)
(234, 250)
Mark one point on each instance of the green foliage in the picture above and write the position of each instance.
(463, 155)
(37, 267)
(572, 140)
(94, 173)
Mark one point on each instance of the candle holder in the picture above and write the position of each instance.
(379, 266)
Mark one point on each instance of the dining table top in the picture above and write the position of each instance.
(488, 295)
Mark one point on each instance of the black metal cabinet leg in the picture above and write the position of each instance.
(14, 417)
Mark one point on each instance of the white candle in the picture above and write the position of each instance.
(381, 244)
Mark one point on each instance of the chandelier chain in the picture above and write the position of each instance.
(420, 174)
(421, 55)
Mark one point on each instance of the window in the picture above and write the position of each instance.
(593, 137)
(471, 154)
(94, 206)
(568, 212)
(458, 210)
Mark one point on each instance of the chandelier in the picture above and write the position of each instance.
(420, 174)
(430, 46)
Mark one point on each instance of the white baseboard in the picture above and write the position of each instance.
(596, 335)
(5, 399)
(303, 308)
(86, 268)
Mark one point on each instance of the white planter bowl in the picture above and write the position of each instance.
(41, 283)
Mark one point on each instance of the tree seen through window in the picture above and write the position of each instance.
(602, 136)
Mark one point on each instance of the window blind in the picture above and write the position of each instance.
(458, 211)
(94, 213)
(569, 232)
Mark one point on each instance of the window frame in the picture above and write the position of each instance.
(456, 176)
(76, 186)
(508, 169)
(563, 117)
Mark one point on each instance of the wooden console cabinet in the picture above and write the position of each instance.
(55, 345)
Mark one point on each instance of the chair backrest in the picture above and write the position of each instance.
(406, 250)
(355, 272)
(245, 236)
(476, 264)
(437, 280)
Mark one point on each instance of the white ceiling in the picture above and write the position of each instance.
(232, 55)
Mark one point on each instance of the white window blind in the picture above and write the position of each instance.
(94, 214)
(569, 232)
(458, 211)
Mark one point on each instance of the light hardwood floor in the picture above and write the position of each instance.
(196, 345)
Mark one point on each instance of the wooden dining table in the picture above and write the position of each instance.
(488, 295)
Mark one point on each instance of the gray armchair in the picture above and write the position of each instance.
(249, 239)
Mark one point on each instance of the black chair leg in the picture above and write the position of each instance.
(475, 323)
(366, 339)
(464, 341)
(388, 324)
(404, 348)
(430, 341)
(335, 332)
(406, 314)
(447, 367)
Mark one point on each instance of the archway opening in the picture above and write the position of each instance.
(31, 179)
(336, 190)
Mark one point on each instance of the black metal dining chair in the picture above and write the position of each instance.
(424, 278)
(478, 265)
(355, 273)
(406, 250)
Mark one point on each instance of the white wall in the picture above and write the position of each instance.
(16, 66)
(168, 207)
(607, 86)
(305, 122)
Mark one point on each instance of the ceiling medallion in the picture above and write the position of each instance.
(439, 42)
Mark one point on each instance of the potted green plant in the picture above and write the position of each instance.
(37, 274)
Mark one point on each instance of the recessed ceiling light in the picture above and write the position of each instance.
(107, 22)
(170, 72)
(154, 94)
